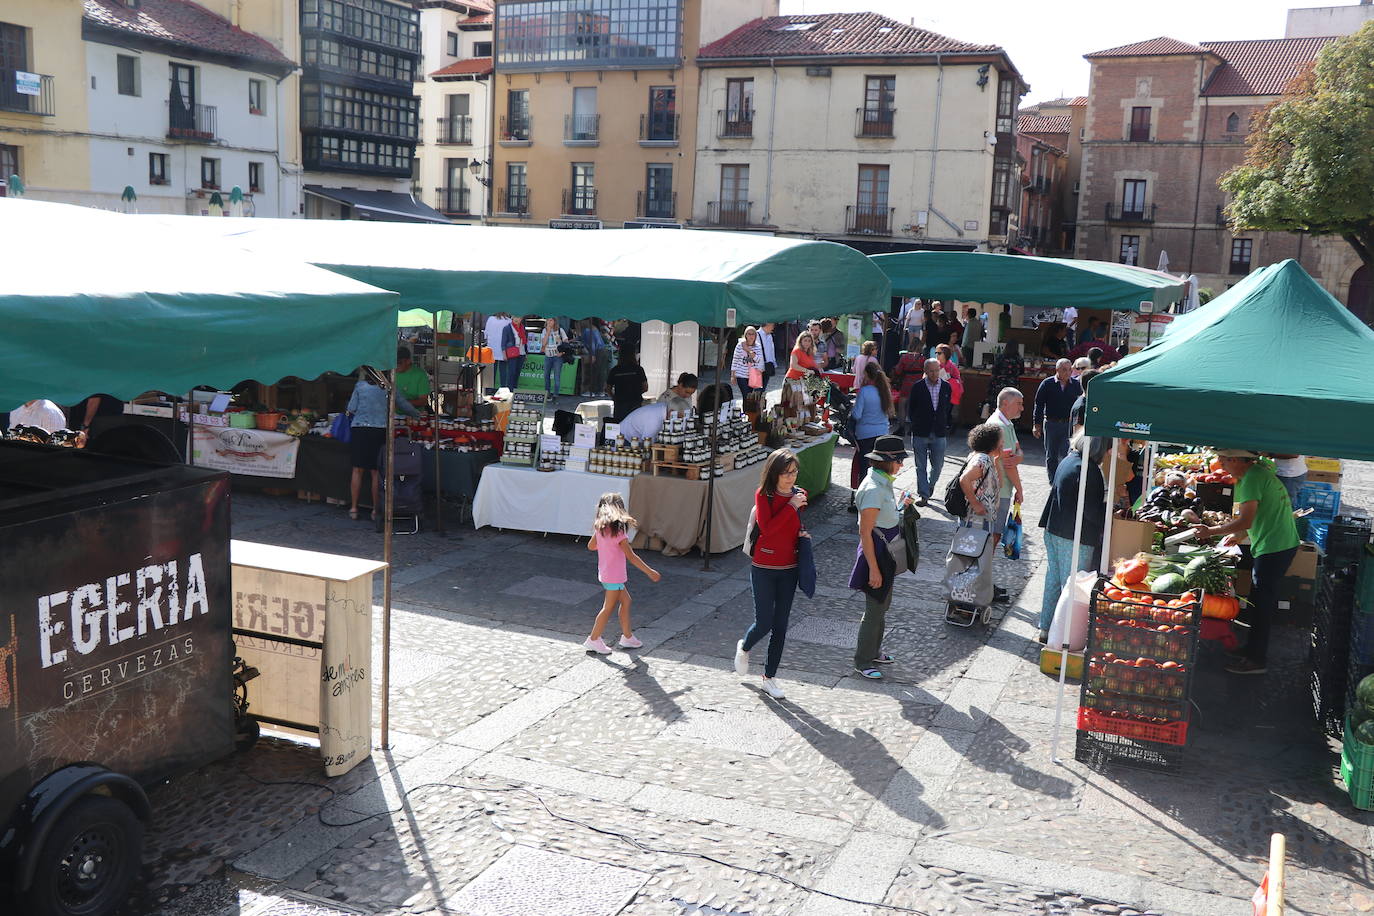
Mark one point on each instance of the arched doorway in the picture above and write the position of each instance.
(1360, 299)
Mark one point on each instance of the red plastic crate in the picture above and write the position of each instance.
(1091, 720)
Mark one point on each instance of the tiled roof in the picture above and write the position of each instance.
(1079, 101)
(479, 66)
(1043, 124)
(484, 19)
(833, 34)
(1155, 47)
(1262, 67)
(181, 22)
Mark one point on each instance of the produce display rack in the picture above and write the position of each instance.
(522, 449)
(1135, 699)
(1347, 538)
(1357, 769)
(1329, 653)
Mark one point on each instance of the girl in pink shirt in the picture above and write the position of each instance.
(610, 531)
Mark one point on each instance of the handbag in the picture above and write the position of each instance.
(956, 503)
(755, 378)
(342, 428)
(511, 348)
(806, 567)
(751, 533)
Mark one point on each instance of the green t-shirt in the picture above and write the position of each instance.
(875, 492)
(1273, 529)
(413, 383)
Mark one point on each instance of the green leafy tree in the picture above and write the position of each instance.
(1310, 162)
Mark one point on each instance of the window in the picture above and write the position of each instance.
(452, 44)
(157, 168)
(583, 198)
(481, 49)
(738, 119)
(870, 208)
(257, 93)
(1003, 188)
(255, 176)
(209, 173)
(325, 52)
(661, 123)
(357, 155)
(583, 123)
(1130, 250)
(1006, 103)
(375, 21)
(1132, 198)
(126, 70)
(734, 196)
(1241, 252)
(14, 55)
(880, 96)
(9, 164)
(456, 125)
(453, 196)
(658, 192)
(588, 34)
(517, 119)
(1140, 124)
(1232, 123)
(330, 105)
(517, 190)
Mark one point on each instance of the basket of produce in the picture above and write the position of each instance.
(1139, 728)
(268, 420)
(1357, 748)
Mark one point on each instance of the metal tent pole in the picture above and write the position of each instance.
(715, 439)
(390, 451)
(1111, 509)
(1073, 568)
(436, 403)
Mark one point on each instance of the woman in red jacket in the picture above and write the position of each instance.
(774, 573)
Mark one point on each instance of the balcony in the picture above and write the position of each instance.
(515, 201)
(874, 122)
(735, 124)
(26, 97)
(656, 206)
(730, 214)
(866, 219)
(515, 131)
(579, 201)
(658, 129)
(1121, 213)
(454, 201)
(191, 122)
(1239, 268)
(581, 130)
(455, 131)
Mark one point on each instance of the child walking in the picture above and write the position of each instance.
(610, 540)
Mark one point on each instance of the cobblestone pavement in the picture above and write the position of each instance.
(525, 777)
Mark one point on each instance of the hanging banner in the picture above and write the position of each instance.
(254, 452)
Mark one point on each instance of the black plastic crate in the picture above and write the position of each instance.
(1097, 750)
(1346, 538)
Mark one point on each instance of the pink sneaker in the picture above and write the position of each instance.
(597, 645)
(629, 642)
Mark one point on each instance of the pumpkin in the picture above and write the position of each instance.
(1220, 607)
(1133, 571)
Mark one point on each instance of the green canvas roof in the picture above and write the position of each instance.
(640, 275)
(1275, 364)
(972, 276)
(98, 302)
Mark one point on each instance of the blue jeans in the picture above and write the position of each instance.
(1293, 485)
(511, 372)
(928, 449)
(1058, 557)
(774, 590)
(1056, 434)
(553, 366)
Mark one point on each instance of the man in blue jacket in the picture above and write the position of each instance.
(929, 417)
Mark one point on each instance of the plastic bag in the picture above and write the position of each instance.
(1011, 537)
(1072, 612)
(342, 428)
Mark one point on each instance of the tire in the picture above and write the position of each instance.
(89, 860)
(246, 734)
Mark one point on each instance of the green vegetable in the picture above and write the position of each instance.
(1169, 584)
(1364, 694)
(1365, 733)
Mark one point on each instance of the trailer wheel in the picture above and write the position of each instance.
(88, 861)
(246, 734)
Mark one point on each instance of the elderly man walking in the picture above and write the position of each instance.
(1011, 403)
(929, 415)
(1054, 401)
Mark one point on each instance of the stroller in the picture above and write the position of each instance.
(968, 576)
(407, 500)
(841, 405)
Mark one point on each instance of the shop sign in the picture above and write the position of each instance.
(254, 452)
(574, 224)
(26, 83)
(650, 224)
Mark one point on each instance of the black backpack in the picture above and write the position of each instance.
(956, 503)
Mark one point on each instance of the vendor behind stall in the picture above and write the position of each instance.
(679, 397)
(411, 381)
(1264, 511)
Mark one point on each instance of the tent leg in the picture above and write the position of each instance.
(437, 404)
(1111, 510)
(1073, 569)
(389, 504)
(715, 438)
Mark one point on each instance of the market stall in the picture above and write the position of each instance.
(1216, 379)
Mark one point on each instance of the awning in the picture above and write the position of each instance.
(672, 276)
(97, 302)
(1025, 280)
(387, 206)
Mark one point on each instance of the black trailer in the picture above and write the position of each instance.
(115, 662)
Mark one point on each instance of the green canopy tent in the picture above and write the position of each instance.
(1224, 374)
(972, 276)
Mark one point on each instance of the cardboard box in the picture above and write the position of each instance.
(1305, 563)
(1297, 602)
(1215, 496)
(1130, 538)
(1324, 477)
(1049, 662)
(147, 410)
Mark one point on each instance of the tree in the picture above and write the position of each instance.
(1309, 166)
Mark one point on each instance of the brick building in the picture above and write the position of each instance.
(1042, 154)
(1165, 120)
(1064, 124)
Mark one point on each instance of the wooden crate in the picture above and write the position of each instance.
(677, 469)
(667, 452)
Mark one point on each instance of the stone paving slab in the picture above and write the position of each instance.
(740, 814)
(863, 871)
(531, 880)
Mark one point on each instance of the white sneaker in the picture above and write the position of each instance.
(630, 642)
(597, 645)
(741, 659)
(773, 688)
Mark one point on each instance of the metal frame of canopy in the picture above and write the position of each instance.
(716, 279)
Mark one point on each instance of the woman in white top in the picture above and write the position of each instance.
(868, 353)
(748, 356)
(549, 340)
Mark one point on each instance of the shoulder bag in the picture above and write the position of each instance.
(956, 503)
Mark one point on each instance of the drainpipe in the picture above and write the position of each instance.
(1201, 152)
(935, 148)
(772, 120)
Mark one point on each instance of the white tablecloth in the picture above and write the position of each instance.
(562, 502)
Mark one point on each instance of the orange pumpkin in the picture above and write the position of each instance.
(1220, 607)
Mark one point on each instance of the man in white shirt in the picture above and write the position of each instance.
(44, 414)
(1071, 320)
(770, 353)
(645, 422)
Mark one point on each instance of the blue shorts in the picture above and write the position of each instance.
(613, 586)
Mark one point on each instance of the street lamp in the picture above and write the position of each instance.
(476, 166)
